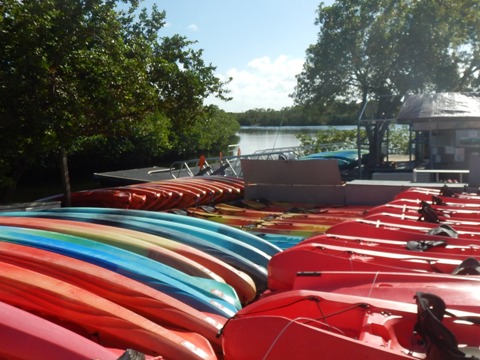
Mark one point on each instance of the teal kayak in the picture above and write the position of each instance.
(243, 236)
(228, 250)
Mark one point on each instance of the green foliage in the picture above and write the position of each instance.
(398, 139)
(336, 113)
(370, 49)
(324, 139)
(97, 74)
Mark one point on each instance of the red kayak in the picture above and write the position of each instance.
(304, 324)
(406, 222)
(429, 212)
(27, 336)
(371, 232)
(445, 191)
(95, 317)
(144, 300)
(283, 267)
(430, 248)
(458, 292)
(439, 199)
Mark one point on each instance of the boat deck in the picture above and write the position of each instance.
(133, 176)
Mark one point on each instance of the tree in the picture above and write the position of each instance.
(71, 69)
(370, 49)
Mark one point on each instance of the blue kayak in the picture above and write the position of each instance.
(221, 251)
(230, 231)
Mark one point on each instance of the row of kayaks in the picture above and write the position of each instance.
(399, 282)
(277, 220)
(159, 283)
(161, 195)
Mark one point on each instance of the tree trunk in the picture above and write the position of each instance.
(67, 192)
(376, 134)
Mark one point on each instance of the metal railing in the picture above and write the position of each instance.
(229, 165)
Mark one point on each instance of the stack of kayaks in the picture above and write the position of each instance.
(373, 286)
(397, 281)
(159, 283)
(163, 194)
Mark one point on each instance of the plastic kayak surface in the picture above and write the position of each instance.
(223, 251)
(302, 324)
(25, 336)
(458, 292)
(126, 263)
(140, 298)
(94, 317)
(309, 257)
(243, 236)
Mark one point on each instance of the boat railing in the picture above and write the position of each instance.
(224, 165)
(303, 150)
(437, 172)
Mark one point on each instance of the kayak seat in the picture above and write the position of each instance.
(441, 342)
(469, 266)
(427, 214)
(424, 245)
(446, 191)
(130, 354)
(437, 200)
(444, 230)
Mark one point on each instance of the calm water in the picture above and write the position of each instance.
(253, 138)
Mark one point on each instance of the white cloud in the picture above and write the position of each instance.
(262, 84)
(192, 27)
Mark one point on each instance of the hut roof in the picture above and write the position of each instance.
(441, 110)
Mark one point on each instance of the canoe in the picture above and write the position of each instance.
(304, 324)
(458, 292)
(25, 336)
(191, 290)
(321, 257)
(94, 317)
(140, 298)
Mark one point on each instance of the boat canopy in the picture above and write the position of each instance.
(441, 111)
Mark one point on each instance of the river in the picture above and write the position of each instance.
(253, 138)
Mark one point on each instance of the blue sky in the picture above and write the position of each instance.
(260, 43)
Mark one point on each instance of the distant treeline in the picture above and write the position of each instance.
(336, 114)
